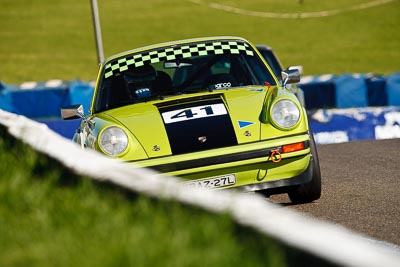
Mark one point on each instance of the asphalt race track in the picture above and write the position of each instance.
(360, 188)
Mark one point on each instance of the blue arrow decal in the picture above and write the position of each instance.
(243, 124)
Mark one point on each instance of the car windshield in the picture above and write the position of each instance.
(179, 69)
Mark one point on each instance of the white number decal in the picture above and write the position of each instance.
(194, 113)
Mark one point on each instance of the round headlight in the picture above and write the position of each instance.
(285, 113)
(113, 141)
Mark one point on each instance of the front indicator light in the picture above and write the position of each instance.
(293, 147)
(113, 141)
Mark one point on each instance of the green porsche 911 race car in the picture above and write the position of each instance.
(208, 110)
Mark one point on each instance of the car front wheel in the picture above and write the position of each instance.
(310, 191)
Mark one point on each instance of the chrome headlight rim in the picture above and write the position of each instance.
(285, 114)
(113, 141)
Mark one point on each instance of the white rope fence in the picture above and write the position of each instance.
(323, 239)
(300, 15)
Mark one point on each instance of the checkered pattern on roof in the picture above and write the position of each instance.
(171, 53)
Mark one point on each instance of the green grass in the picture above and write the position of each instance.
(51, 217)
(53, 39)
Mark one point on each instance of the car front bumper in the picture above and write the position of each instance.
(253, 164)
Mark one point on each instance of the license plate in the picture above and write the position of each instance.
(216, 182)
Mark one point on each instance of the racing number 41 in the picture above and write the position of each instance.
(192, 113)
(188, 113)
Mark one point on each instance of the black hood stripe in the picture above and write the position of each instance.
(198, 126)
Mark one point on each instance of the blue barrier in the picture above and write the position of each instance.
(393, 89)
(351, 91)
(44, 100)
(39, 103)
(5, 99)
(319, 92)
(65, 128)
(376, 90)
(344, 125)
(81, 93)
(348, 91)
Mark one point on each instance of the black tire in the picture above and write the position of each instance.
(310, 191)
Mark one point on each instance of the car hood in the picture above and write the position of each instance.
(195, 122)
